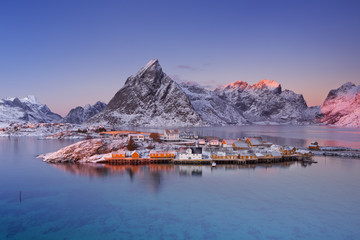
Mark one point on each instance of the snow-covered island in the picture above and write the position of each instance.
(125, 147)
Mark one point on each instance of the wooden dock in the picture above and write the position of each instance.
(135, 161)
(139, 161)
(236, 161)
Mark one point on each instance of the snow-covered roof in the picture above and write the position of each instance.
(255, 141)
(241, 145)
(230, 141)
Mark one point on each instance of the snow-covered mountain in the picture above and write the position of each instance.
(150, 98)
(342, 106)
(79, 114)
(27, 109)
(212, 109)
(265, 102)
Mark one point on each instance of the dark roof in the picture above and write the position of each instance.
(196, 150)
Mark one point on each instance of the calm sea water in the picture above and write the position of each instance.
(283, 201)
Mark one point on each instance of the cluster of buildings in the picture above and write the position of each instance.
(194, 148)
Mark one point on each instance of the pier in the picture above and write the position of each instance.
(139, 161)
(135, 161)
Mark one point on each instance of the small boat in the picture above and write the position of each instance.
(213, 164)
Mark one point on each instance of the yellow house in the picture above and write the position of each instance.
(162, 154)
(119, 154)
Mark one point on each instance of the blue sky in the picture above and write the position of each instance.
(70, 53)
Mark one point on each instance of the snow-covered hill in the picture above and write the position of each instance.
(265, 102)
(79, 115)
(342, 106)
(212, 109)
(27, 109)
(150, 98)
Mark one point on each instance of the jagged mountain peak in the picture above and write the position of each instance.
(149, 98)
(269, 84)
(30, 99)
(342, 106)
(239, 85)
(79, 114)
(346, 90)
(151, 72)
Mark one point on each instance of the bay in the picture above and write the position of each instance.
(85, 201)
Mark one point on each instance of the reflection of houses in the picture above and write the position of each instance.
(162, 154)
(190, 153)
(314, 146)
(228, 142)
(190, 170)
(171, 135)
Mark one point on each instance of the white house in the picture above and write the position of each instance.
(190, 153)
(171, 135)
(214, 143)
(136, 137)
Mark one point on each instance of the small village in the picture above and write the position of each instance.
(187, 148)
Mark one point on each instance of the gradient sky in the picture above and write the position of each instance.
(73, 52)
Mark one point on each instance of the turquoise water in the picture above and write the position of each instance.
(284, 201)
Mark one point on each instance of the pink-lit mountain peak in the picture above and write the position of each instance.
(241, 85)
(237, 85)
(270, 84)
(342, 106)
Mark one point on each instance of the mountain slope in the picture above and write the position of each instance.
(212, 109)
(27, 109)
(342, 106)
(150, 98)
(79, 114)
(265, 102)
